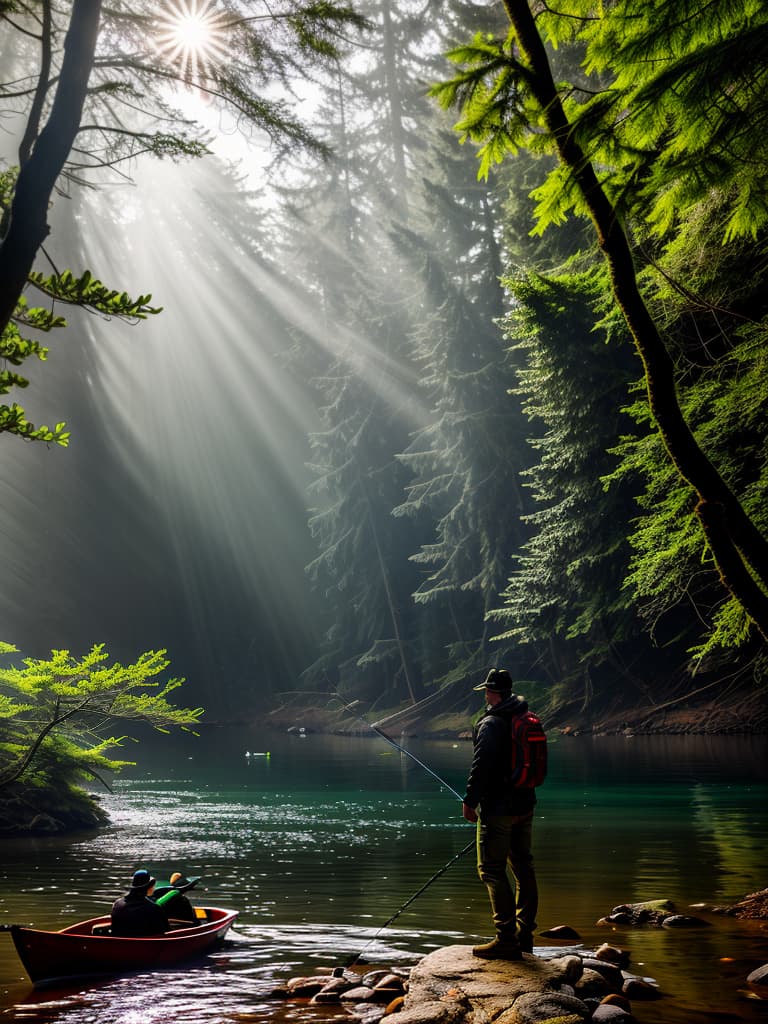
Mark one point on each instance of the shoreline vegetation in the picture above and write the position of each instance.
(436, 718)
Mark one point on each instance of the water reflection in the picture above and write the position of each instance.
(321, 843)
(732, 827)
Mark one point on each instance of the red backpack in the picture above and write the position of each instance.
(529, 750)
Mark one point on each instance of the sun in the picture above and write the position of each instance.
(192, 35)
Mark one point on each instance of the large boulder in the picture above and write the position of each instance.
(451, 985)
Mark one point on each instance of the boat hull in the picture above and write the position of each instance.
(75, 952)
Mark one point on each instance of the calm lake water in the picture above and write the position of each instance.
(320, 843)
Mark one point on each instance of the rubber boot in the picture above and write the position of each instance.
(499, 949)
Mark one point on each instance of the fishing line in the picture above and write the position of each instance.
(408, 902)
(444, 868)
(397, 746)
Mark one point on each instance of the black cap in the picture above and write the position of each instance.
(498, 680)
(181, 883)
(141, 880)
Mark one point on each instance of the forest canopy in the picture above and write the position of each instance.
(622, 499)
(537, 390)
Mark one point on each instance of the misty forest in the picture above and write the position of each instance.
(357, 349)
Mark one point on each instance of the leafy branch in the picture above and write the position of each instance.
(54, 709)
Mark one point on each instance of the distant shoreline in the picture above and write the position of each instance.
(702, 720)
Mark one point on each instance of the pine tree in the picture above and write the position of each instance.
(565, 597)
(362, 363)
(465, 461)
(509, 97)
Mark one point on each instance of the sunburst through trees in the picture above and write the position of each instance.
(192, 36)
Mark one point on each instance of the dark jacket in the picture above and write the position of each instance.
(134, 915)
(489, 786)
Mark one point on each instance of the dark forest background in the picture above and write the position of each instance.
(385, 434)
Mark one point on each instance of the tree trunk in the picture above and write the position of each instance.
(739, 549)
(32, 129)
(394, 104)
(28, 226)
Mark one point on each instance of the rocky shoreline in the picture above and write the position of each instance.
(29, 811)
(452, 986)
(552, 985)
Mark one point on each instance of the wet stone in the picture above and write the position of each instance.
(563, 932)
(536, 1007)
(607, 1013)
(391, 981)
(759, 976)
(372, 977)
(684, 921)
(367, 1013)
(358, 994)
(592, 983)
(339, 984)
(640, 989)
(612, 954)
(305, 987)
(325, 996)
(609, 970)
(615, 999)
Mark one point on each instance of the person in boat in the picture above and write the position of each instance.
(504, 826)
(135, 914)
(173, 899)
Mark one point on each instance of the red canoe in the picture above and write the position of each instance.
(78, 952)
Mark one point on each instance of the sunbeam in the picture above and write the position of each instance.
(178, 517)
(191, 35)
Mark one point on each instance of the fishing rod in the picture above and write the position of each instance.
(403, 750)
(396, 745)
(408, 902)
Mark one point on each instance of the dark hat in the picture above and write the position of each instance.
(498, 680)
(181, 883)
(141, 880)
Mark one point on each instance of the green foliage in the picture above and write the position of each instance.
(465, 461)
(669, 110)
(128, 85)
(85, 291)
(496, 113)
(672, 106)
(53, 713)
(319, 25)
(688, 110)
(670, 566)
(572, 380)
(13, 421)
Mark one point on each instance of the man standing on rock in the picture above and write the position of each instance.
(504, 816)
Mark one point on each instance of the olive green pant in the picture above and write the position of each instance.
(505, 840)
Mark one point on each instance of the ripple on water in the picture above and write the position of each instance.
(234, 984)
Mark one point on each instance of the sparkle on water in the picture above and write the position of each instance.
(320, 844)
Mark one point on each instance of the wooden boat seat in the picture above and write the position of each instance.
(105, 929)
(175, 923)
